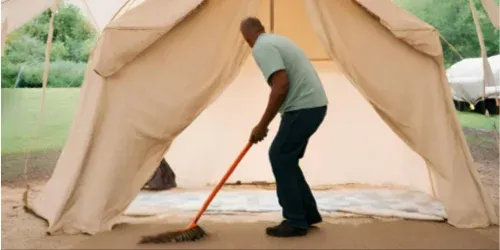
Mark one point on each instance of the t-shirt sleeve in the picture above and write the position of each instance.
(268, 59)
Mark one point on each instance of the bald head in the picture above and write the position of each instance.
(251, 28)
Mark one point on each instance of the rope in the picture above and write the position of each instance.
(126, 9)
(120, 9)
(90, 13)
(471, 105)
(44, 86)
(451, 46)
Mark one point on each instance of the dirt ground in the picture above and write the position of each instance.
(23, 231)
(41, 165)
(371, 235)
(484, 149)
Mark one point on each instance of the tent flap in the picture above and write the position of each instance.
(19, 12)
(132, 33)
(493, 11)
(125, 124)
(410, 92)
(404, 25)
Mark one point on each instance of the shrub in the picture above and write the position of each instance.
(62, 74)
(9, 74)
(24, 49)
(58, 52)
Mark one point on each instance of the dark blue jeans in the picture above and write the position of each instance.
(288, 147)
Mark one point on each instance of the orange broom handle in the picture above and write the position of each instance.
(221, 183)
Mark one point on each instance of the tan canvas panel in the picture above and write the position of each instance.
(99, 12)
(292, 21)
(125, 123)
(19, 12)
(416, 104)
(493, 10)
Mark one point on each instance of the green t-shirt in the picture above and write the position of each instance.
(274, 52)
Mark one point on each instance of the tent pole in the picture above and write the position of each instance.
(488, 73)
(271, 16)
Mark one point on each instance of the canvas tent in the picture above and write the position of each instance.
(175, 77)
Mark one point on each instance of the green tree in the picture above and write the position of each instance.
(72, 42)
(453, 19)
(71, 29)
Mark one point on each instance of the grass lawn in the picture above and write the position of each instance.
(473, 120)
(20, 108)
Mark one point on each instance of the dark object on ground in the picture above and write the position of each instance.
(162, 179)
(480, 107)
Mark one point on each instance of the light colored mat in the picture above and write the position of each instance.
(377, 202)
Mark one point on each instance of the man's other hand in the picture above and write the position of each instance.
(258, 134)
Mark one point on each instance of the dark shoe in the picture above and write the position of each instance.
(316, 220)
(284, 229)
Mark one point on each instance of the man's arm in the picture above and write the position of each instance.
(279, 89)
(273, 68)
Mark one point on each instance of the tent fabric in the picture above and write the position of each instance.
(351, 129)
(404, 26)
(121, 120)
(99, 12)
(126, 121)
(428, 118)
(290, 19)
(19, 12)
(16, 13)
(141, 30)
(493, 11)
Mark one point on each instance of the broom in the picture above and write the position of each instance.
(194, 232)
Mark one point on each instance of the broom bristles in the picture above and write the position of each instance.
(191, 234)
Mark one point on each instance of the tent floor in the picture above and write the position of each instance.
(375, 235)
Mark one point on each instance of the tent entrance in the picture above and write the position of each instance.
(355, 163)
(354, 145)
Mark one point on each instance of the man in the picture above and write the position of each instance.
(298, 95)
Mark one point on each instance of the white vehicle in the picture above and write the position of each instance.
(466, 80)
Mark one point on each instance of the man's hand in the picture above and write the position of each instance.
(258, 134)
